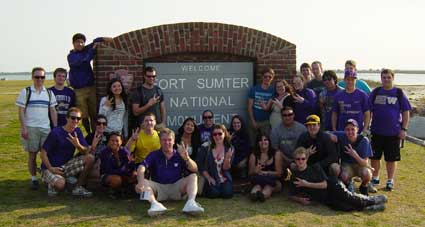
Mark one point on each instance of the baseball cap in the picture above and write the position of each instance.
(312, 119)
(348, 73)
(352, 122)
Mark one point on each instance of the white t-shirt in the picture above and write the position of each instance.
(37, 112)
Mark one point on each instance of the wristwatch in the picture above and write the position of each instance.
(404, 129)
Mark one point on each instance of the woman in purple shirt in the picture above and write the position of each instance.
(305, 100)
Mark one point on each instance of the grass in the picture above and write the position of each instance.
(21, 207)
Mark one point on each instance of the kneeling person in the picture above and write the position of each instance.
(57, 155)
(167, 167)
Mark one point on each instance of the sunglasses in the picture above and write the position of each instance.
(217, 134)
(75, 118)
(287, 115)
(151, 77)
(207, 117)
(39, 77)
(300, 159)
(101, 123)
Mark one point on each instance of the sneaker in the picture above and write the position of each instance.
(71, 180)
(156, 209)
(51, 191)
(377, 207)
(374, 182)
(378, 199)
(192, 207)
(371, 188)
(350, 186)
(260, 196)
(34, 184)
(364, 190)
(390, 186)
(81, 191)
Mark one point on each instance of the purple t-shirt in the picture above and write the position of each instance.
(59, 149)
(328, 98)
(362, 147)
(308, 107)
(205, 132)
(164, 171)
(110, 165)
(387, 109)
(350, 106)
(65, 99)
(257, 93)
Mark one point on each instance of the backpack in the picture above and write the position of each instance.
(376, 90)
(28, 96)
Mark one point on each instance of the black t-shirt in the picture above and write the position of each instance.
(313, 174)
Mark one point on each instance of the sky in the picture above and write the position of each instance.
(377, 34)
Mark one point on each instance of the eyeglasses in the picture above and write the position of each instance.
(207, 117)
(101, 123)
(300, 159)
(75, 118)
(39, 77)
(217, 134)
(287, 115)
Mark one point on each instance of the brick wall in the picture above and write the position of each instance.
(193, 42)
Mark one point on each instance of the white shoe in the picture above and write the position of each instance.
(51, 192)
(192, 207)
(81, 191)
(156, 209)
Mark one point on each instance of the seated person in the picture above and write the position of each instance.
(117, 170)
(57, 156)
(320, 145)
(188, 133)
(214, 163)
(97, 139)
(167, 166)
(145, 139)
(206, 127)
(309, 183)
(355, 151)
(240, 141)
(265, 169)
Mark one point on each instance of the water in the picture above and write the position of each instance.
(400, 78)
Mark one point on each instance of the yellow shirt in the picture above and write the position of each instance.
(144, 145)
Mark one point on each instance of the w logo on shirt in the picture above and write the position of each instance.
(391, 100)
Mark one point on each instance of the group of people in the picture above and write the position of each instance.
(310, 132)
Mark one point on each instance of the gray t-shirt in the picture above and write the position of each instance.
(285, 139)
(142, 95)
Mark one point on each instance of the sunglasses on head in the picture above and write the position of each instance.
(217, 134)
(75, 118)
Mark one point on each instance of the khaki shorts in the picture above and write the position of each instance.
(354, 170)
(72, 168)
(86, 101)
(36, 138)
(168, 191)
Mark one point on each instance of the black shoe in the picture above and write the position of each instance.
(377, 207)
(34, 184)
(390, 186)
(364, 190)
(260, 196)
(253, 196)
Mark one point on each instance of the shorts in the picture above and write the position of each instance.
(389, 145)
(72, 168)
(354, 170)
(36, 138)
(168, 191)
(86, 101)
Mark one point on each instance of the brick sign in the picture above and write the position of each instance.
(190, 88)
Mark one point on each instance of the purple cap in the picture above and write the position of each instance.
(348, 73)
(352, 122)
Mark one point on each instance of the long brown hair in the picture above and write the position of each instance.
(288, 88)
(226, 141)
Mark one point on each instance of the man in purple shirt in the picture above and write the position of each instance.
(205, 129)
(350, 103)
(57, 155)
(390, 118)
(81, 77)
(326, 98)
(167, 167)
(65, 96)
